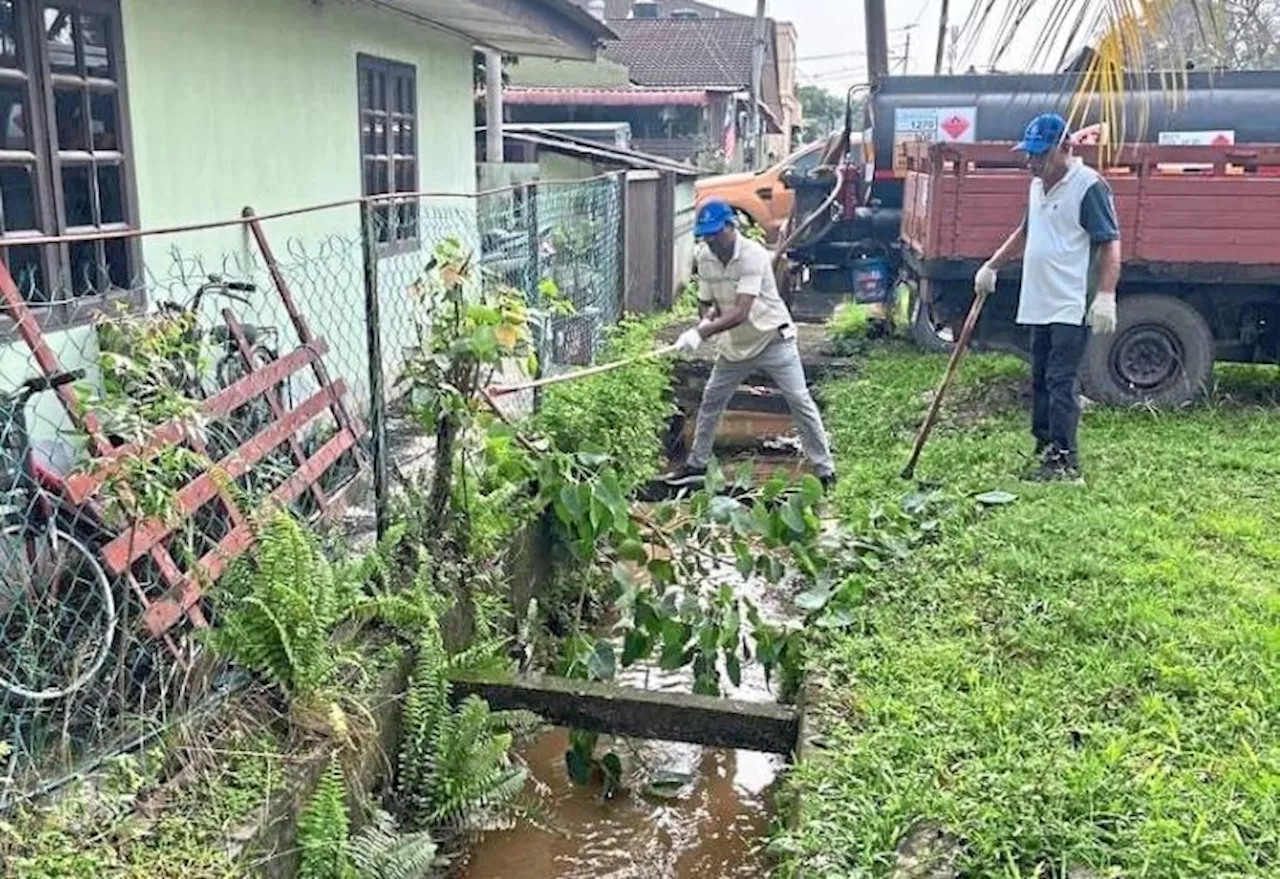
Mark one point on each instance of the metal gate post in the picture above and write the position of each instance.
(377, 394)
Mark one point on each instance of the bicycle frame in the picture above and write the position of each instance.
(41, 487)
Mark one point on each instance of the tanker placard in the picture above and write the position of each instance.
(1226, 137)
(932, 124)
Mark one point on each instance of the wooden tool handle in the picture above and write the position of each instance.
(503, 390)
(957, 353)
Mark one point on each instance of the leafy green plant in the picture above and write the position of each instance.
(468, 331)
(323, 828)
(752, 229)
(280, 610)
(587, 416)
(455, 766)
(381, 851)
(150, 367)
(850, 320)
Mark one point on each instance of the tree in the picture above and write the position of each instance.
(823, 112)
(1122, 36)
(1243, 34)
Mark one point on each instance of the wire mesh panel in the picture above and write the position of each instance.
(142, 423)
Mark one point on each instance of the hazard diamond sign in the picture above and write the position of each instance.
(957, 124)
(954, 126)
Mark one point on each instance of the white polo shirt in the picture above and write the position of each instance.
(1064, 226)
(749, 271)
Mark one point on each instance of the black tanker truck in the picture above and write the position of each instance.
(851, 242)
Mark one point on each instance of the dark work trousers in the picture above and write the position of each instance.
(1056, 352)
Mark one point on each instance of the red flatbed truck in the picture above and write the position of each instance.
(1200, 235)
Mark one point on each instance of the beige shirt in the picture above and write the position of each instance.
(749, 272)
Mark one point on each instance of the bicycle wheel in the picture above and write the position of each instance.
(58, 615)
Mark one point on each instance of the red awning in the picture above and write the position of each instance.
(604, 97)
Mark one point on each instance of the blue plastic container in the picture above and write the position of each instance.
(869, 277)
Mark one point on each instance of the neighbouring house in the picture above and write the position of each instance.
(658, 203)
(128, 114)
(679, 74)
(779, 145)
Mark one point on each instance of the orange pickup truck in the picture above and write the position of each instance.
(760, 196)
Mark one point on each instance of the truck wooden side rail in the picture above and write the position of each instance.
(1200, 235)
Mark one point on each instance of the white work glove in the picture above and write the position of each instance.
(984, 283)
(689, 341)
(1102, 314)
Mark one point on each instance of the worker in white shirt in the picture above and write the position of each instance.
(740, 307)
(1069, 242)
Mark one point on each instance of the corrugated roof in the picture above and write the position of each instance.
(672, 52)
(621, 9)
(555, 140)
(701, 52)
(634, 96)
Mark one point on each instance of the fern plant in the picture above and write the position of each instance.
(380, 851)
(279, 617)
(455, 766)
(323, 829)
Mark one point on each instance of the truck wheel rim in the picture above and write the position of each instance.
(1147, 357)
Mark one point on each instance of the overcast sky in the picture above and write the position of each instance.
(832, 47)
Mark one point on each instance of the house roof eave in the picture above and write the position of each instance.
(544, 28)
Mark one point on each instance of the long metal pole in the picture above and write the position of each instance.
(757, 75)
(493, 106)
(377, 393)
(877, 39)
(943, 32)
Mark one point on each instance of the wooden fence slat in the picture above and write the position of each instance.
(340, 412)
(136, 542)
(81, 486)
(164, 614)
(273, 398)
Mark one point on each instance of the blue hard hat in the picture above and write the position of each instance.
(1045, 132)
(713, 216)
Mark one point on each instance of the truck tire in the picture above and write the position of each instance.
(1161, 354)
(923, 333)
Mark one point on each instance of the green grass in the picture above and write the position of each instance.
(98, 829)
(1087, 678)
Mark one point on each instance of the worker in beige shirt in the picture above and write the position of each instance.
(741, 308)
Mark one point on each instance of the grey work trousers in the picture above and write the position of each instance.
(781, 362)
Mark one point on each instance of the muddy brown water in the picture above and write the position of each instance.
(685, 812)
(714, 829)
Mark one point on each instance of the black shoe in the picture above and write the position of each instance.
(1059, 466)
(685, 475)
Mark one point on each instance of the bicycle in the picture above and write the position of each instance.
(58, 613)
(255, 414)
(230, 366)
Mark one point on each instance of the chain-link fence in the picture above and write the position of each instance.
(142, 422)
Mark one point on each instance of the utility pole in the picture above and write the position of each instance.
(877, 40)
(493, 106)
(943, 23)
(906, 54)
(757, 74)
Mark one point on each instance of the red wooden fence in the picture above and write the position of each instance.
(183, 589)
